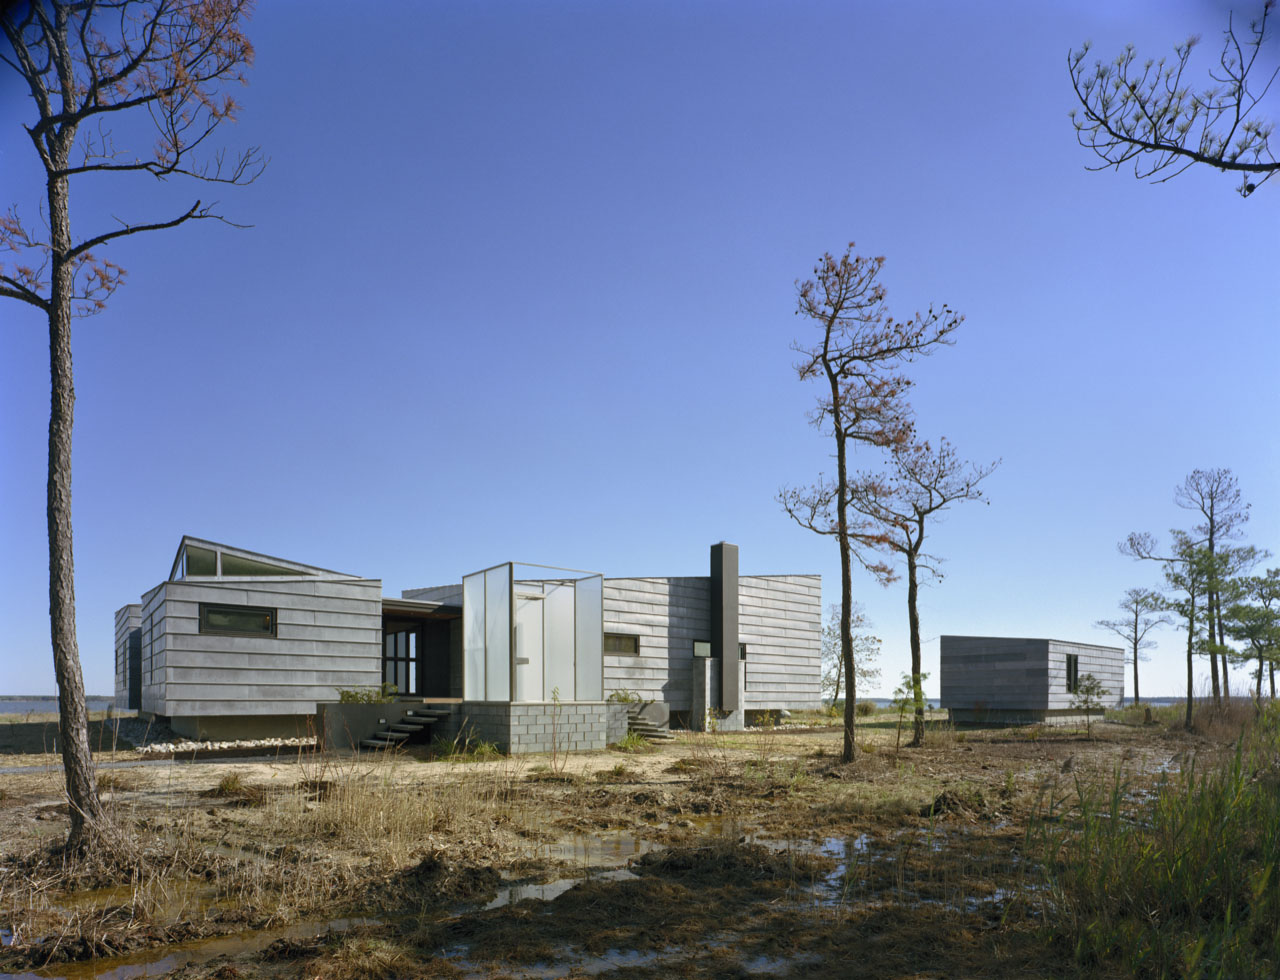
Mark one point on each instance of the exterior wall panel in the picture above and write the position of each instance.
(328, 636)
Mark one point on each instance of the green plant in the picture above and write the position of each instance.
(368, 695)
(633, 742)
(1181, 884)
(1088, 697)
(623, 696)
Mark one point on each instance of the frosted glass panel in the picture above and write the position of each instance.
(497, 632)
(529, 649)
(589, 625)
(559, 641)
(473, 637)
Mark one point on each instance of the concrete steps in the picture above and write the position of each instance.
(638, 725)
(414, 722)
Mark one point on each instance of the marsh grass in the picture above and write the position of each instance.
(1182, 882)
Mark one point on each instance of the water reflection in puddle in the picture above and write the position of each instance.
(598, 851)
(157, 962)
(546, 891)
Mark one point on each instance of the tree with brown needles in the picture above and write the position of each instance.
(1147, 113)
(82, 62)
(1144, 611)
(923, 482)
(855, 357)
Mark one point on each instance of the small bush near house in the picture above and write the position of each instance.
(368, 695)
(633, 742)
(864, 708)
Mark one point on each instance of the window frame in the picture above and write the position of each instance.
(207, 607)
(633, 637)
(1073, 672)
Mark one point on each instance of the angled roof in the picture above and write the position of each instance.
(256, 556)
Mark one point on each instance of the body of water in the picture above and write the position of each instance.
(40, 706)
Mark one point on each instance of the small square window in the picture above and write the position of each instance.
(702, 648)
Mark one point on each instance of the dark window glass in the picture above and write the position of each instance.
(201, 561)
(235, 565)
(618, 643)
(1073, 673)
(742, 651)
(241, 620)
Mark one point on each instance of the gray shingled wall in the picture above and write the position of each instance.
(779, 620)
(667, 614)
(328, 636)
(1104, 663)
(981, 673)
(128, 619)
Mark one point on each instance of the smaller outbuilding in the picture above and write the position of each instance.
(997, 680)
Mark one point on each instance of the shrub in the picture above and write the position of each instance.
(633, 742)
(368, 695)
(623, 696)
(864, 708)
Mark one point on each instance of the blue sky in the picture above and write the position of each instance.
(520, 285)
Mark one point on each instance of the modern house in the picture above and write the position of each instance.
(237, 644)
(1002, 680)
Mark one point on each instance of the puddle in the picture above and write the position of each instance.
(598, 850)
(611, 959)
(546, 891)
(157, 962)
(178, 899)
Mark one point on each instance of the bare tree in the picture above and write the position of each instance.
(1215, 496)
(83, 61)
(1148, 113)
(1144, 611)
(923, 482)
(856, 359)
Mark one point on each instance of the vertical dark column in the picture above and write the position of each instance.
(134, 669)
(724, 621)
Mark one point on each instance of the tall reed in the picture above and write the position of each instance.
(1182, 883)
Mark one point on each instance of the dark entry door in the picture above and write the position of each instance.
(401, 646)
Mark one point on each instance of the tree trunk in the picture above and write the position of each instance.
(913, 619)
(1258, 693)
(86, 811)
(1271, 669)
(846, 572)
(1136, 699)
(1213, 661)
(1191, 653)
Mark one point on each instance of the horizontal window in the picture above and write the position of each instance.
(620, 643)
(238, 620)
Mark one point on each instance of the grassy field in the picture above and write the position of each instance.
(979, 855)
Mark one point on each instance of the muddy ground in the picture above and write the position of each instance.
(717, 855)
